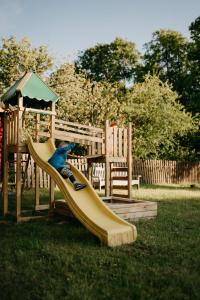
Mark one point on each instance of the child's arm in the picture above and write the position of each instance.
(69, 147)
(66, 148)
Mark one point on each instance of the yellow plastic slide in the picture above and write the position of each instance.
(85, 204)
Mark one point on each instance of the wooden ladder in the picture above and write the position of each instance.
(118, 181)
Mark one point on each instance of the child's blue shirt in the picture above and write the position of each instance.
(58, 159)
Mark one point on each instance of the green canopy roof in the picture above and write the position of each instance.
(31, 86)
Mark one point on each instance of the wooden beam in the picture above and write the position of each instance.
(72, 135)
(107, 163)
(52, 135)
(40, 111)
(42, 207)
(52, 193)
(129, 160)
(52, 120)
(36, 168)
(27, 219)
(5, 168)
(37, 127)
(18, 161)
(37, 185)
(90, 128)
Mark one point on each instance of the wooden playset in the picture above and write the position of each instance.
(30, 109)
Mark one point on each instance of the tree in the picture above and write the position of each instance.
(193, 87)
(17, 56)
(166, 56)
(112, 62)
(82, 100)
(158, 119)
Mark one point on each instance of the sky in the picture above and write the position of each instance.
(69, 26)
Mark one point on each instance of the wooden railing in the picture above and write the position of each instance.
(86, 135)
(44, 125)
(11, 125)
(118, 141)
(90, 136)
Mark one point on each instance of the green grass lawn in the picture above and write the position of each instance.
(60, 259)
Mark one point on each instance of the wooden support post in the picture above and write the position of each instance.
(37, 127)
(89, 171)
(52, 135)
(129, 160)
(107, 162)
(37, 171)
(25, 172)
(19, 159)
(52, 122)
(15, 127)
(111, 181)
(37, 186)
(5, 167)
(18, 186)
(52, 193)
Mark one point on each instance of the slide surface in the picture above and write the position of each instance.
(85, 204)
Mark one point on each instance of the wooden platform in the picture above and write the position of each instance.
(62, 208)
(132, 210)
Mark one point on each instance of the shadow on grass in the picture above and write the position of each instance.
(60, 229)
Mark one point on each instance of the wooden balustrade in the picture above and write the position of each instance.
(118, 142)
(38, 123)
(11, 127)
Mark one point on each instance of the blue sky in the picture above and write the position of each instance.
(68, 26)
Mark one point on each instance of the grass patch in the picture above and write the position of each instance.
(167, 192)
(60, 259)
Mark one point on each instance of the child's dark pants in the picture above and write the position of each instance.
(67, 173)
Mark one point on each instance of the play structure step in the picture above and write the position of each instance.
(120, 187)
(119, 178)
(120, 195)
(124, 169)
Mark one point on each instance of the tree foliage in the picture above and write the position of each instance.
(15, 56)
(193, 87)
(166, 56)
(82, 100)
(157, 117)
(192, 92)
(112, 62)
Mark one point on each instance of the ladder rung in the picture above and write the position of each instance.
(119, 178)
(119, 169)
(120, 195)
(119, 187)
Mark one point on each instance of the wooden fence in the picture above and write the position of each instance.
(152, 172)
(167, 171)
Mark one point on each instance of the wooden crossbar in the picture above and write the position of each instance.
(90, 128)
